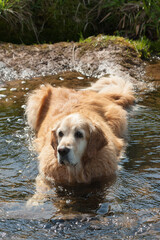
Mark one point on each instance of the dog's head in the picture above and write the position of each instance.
(75, 138)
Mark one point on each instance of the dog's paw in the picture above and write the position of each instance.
(36, 200)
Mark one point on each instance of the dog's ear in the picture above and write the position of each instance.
(54, 141)
(97, 141)
(37, 106)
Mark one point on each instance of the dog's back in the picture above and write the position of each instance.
(115, 88)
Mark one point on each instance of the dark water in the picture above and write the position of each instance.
(128, 207)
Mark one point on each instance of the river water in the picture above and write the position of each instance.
(127, 207)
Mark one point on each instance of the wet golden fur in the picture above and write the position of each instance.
(100, 111)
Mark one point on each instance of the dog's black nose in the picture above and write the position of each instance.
(63, 151)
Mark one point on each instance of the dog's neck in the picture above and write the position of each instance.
(76, 174)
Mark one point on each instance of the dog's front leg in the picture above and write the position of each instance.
(42, 192)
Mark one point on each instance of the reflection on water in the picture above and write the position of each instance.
(125, 208)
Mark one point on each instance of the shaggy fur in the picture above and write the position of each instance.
(100, 117)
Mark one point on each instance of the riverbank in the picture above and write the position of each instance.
(94, 57)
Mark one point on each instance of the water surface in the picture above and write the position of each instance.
(127, 207)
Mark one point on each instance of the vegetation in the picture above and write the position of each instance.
(143, 46)
(31, 21)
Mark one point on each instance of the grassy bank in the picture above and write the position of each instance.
(144, 47)
(39, 21)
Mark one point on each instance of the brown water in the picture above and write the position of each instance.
(127, 207)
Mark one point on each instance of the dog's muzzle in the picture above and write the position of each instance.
(63, 155)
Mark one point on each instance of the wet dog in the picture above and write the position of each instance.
(80, 135)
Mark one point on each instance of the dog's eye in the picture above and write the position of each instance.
(60, 134)
(78, 134)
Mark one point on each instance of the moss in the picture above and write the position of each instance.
(143, 47)
(103, 41)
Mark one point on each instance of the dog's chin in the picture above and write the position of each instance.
(67, 162)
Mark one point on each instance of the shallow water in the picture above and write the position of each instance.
(127, 207)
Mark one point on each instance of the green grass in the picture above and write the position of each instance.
(34, 21)
(144, 47)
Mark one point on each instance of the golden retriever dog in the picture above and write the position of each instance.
(80, 135)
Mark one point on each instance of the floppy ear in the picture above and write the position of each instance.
(37, 106)
(54, 141)
(96, 142)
